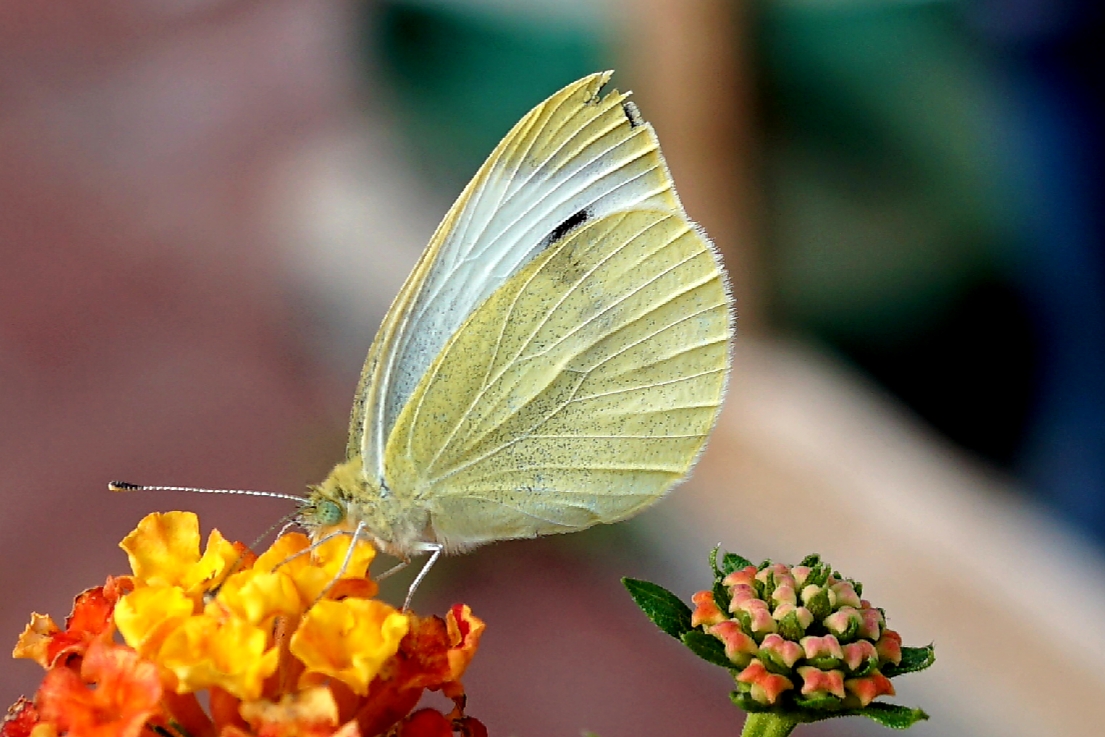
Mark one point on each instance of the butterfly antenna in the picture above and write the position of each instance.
(288, 520)
(125, 486)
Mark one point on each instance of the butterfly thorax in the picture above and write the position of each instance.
(348, 498)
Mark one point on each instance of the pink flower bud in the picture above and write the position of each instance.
(889, 647)
(766, 686)
(706, 611)
(781, 652)
(845, 594)
(844, 622)
(871, 623)
(805, 619)
(739, 647)
(816, 682)
(857, 653)
(744, 576)
(785, 594)
(870, 687)
(759, 615)
(821, 647)
(808, 592)
(741, 592)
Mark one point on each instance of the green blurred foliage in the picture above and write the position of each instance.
(887, 216)
(883, 165)
(463, 75)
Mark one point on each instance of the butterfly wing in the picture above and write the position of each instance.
(576, 157)
(578, 393)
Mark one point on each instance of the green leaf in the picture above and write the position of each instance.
(891, 715)
(707, 647)
(913, 660)
(733, 562)
(721, 596)
(820, 605)
(666, 610)
(744, 700)
(811, 561)
(826, 703)
(713, 561)
(888, 715)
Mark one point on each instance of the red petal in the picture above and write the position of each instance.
(21, 719)
(426, 723)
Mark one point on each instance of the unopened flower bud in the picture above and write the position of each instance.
(870, 687)
(889, 647)
(858, 654)
(764, 686)
(844, 623)
(779, 652)
(706, 610)
(739, 647)
(816, 682)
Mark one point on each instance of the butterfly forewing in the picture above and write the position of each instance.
(574, 159)
(579, 392)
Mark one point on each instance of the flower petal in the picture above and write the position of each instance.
(348, 640)
(127, 693)
(310, 712)
(464, 638)
(162, 547)
(146, 616)
(227, 652)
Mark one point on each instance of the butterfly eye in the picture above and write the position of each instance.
(328, 513)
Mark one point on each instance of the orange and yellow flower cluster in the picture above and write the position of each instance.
(290, 642)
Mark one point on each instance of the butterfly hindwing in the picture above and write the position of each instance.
(578, 392)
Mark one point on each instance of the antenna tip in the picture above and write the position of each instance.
(122, 486)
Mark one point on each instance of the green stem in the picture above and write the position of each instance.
(766, 724)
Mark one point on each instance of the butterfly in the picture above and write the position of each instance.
(555, 360)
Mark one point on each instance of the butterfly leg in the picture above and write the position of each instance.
(434, 549)
(394, 569)
(345, 561)
(314, 544)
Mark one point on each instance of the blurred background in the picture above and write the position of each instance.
(206, 208)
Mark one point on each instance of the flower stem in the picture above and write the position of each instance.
(768, 725)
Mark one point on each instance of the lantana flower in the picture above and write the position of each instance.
(290, 642)
(799, 641)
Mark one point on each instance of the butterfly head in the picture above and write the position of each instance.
(349, 499)
(322, 512)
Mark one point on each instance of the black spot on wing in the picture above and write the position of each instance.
(633, 114)
(568, 226)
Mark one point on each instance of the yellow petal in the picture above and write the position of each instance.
(331, 554)
(255, 596)
(313, 572)
(219, 559)
(34, 643)
(163, 547)
(164, 550)
(227, 652)
(147, 615)
(349, 640)
(281, 552)
(314, 706)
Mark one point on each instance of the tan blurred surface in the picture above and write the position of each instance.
(809, 458)
(689, 64)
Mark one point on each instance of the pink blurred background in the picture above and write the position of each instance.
(206, 207)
